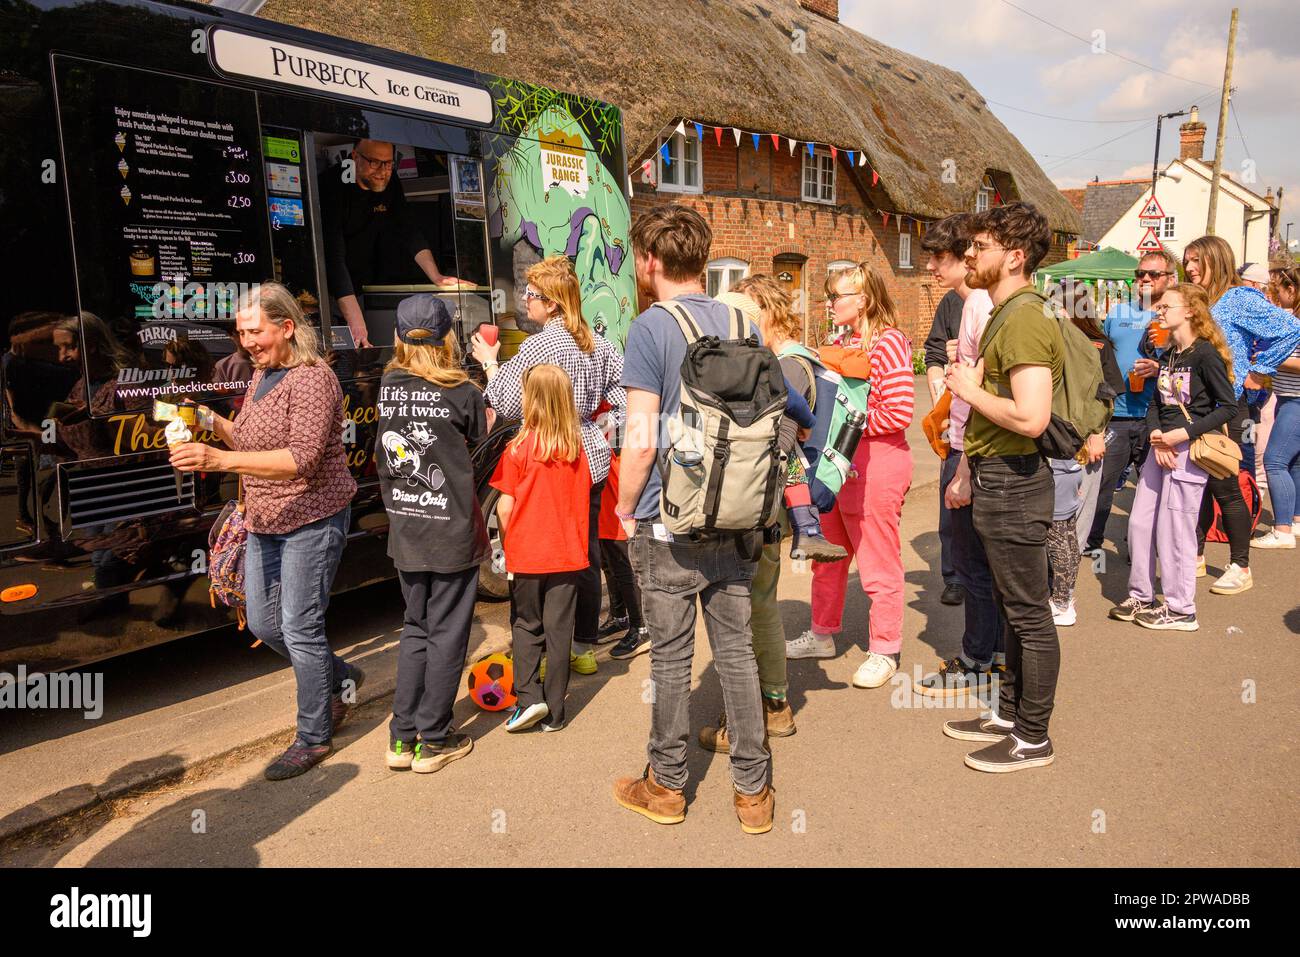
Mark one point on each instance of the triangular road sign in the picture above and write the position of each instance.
(1150, 242)
(1152, 210)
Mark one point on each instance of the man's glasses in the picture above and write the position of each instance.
(377, 164)
(983, 247)
(1150, 273)
(530, 294)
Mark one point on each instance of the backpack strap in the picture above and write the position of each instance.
(738, 330)
(685, 321)
(812, 380)
(722, 453)
(996, 324)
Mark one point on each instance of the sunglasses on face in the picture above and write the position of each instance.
(1149, 273)
(835, 297)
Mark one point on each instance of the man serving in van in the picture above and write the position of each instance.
(369, 232)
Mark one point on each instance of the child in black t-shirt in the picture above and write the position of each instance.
(429, 416)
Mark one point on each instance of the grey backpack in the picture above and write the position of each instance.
(723, 470)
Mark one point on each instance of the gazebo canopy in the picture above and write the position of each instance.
(1108, 263)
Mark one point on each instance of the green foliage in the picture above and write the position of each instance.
(918, 362)
(519, 103)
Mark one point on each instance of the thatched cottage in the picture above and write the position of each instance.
(897, 141)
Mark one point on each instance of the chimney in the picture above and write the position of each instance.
(830, 9)
(1192, 137)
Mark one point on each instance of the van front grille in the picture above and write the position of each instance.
(98, 496)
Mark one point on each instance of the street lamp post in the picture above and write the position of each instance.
(1155, 163)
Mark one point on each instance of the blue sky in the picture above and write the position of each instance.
(1019, 63)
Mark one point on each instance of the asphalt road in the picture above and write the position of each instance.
(1172, 749)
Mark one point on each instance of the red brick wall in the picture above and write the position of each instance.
(827, 8)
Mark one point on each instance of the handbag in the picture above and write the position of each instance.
(935, 425)
(227, 545)
(1214, 451)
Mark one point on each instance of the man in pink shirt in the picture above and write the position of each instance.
(981, 641)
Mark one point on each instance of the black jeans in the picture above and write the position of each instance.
(431, 654)
(947, 548)
(587, 622)
(624, 595)
(983, 634)
(1127, 441)
(1227, 492)
(1012, 509)
(542, 609)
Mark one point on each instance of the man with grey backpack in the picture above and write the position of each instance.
(700, 479)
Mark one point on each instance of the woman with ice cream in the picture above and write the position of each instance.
(286, 444)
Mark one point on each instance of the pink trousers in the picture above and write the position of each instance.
(865, 521)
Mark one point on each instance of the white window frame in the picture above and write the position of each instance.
(984, 198)
(904, 250)
(679, 149)
(725, 269)
(1167, 228)
(819, 173)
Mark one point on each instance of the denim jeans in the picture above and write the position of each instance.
(587, 621)
(1012, 509)
(947, 547)
(671, 576)
(1127, 441)
(983, 633)
(287, 582)
(1282, 459)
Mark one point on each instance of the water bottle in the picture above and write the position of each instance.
(846, 443)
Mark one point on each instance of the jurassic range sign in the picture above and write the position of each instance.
(287, 64)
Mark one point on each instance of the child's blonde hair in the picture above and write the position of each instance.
(550, 415)
(436, 362)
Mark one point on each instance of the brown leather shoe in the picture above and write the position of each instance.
(715, 738)
(646, 796)
(755, 810)
(778, 716)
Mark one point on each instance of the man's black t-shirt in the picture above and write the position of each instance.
(946, 325)
(422, 458)
(369, 237)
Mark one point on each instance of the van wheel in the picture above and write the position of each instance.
(492, 582)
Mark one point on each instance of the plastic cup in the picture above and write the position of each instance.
(489, 333)
(1159, 335)
(1136, 383)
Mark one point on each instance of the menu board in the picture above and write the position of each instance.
(167, 193)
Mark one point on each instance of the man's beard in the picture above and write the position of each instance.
(527, 325)
(981, 279)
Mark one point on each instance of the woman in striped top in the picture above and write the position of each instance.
(869, 509)
(1282, 454)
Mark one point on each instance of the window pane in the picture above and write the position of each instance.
(715, 276)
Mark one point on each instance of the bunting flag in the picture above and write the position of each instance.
(663, 151)
(736, 133)
(885, 216)
(835, 154)
(851, 163)
(862, 159)
(810, 149)
(776, 141)
(717, 135)
(875, 177)
(681, 127)
(917, 224)
(699, 131)
(793, 144)
(755, 135)
(997, 197)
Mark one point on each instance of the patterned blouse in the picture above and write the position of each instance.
(304, 413)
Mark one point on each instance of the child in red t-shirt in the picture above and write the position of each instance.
(545, 489)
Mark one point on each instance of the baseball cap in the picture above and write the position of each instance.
(423, 319)
(1254, 272)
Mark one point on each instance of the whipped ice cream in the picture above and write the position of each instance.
(177, 432)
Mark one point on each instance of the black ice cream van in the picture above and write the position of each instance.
(155, 161)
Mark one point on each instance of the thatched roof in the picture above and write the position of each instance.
(728, 62)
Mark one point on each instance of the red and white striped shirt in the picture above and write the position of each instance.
(890, 403)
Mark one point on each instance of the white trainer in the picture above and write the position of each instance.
(874, 672)
(1274, 539)
(810, 645)
(1234, 581)
(1063, 617)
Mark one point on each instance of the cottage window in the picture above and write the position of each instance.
(984, 198)
(725, 273)
(682, 174)
(1167, 228)
(818, 177)
(904, 250)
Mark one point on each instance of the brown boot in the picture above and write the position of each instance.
(778, 716)
(755, 810)
(645, 796)
(715, 739)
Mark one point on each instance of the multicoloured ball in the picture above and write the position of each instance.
(491, 682)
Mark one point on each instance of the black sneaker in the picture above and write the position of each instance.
(400, 754)
(953, 594)
(635, 642)
(1130, 608)
(983, 728)
(1162, 619)
(339, 710)
(299, 759)
(609, 629)
(954, 678)
(1010, 755)
(432, 756)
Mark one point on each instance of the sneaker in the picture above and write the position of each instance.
(521, 719)
(1063, 616)
(755, 810)
(432, 756)
(875, 671)
(635, 642)
(778, 717)
(1200, 566)
(1235, 580)
(953, 678)
(1011, 755)
(559, 726)
(339, 710)
(299, 759)
(608, 629)
(809, 645)
(1162, 619)
(953, 594)
(714, 738)
(585, 663)
(645, 796)
(400, 754)
(1274, 539)
(983, 728)
(1129, 609)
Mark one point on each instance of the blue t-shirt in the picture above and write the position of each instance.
(1125, 327)
(652, 361)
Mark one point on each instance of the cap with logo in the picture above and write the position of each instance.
(423, 319)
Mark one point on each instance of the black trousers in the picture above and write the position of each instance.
(587, 622)
(431, 653)
(1227, 492)
(1127, 441)
(624, 595)
(542, 610)
(1011, 503)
